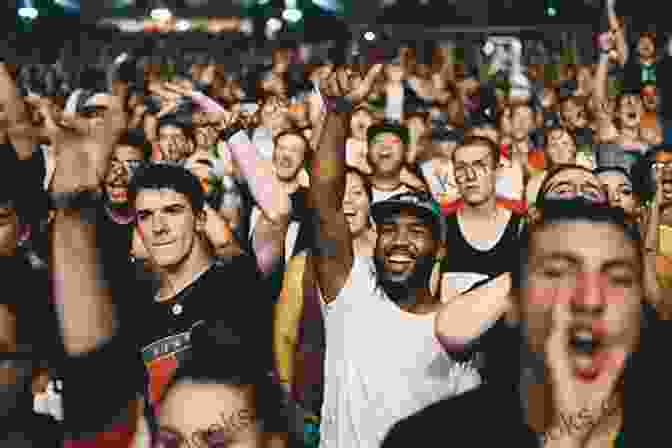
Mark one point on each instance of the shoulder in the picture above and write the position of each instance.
(464, 412)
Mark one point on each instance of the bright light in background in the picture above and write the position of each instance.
(552, 12)
(161, 14)
(369, 36)
(292, 15)
(183, 25)
(263, 2)
(74, 4)
(246, 27)
(330, 5)
(28, 13)
(272, 27)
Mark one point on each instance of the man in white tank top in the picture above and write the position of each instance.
(383, 362)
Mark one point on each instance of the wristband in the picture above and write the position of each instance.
(340, 105)
(76, 200)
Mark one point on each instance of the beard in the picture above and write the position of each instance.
(399, 287)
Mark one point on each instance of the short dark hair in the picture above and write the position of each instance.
(474, 140)
(136, 139)
(156, 176)
(247, 372)
(295, 133)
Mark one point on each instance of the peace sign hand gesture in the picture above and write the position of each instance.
(82, 147)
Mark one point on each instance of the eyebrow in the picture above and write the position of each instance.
(574, 259)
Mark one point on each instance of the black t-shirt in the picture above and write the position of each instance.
(492, 415)
(229, 291)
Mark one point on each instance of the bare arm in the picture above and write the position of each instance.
(21, 134)
(464, 318)
(286, 322)
(334, 253)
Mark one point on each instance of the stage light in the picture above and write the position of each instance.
(161, 14)
(28, 13)
(292, 15)
(183, 25)
(369, 36)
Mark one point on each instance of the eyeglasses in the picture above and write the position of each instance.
(480, 168)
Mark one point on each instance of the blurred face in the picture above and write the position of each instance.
(275, 114)
(474, 173)
(124, 162)
(630, 111)
(288, 156)
(200, 166)
(168, 226)
(573, 115)
(356, 204)
(486, 132)
(206, 136)
(664, 160)
(446, 149)
(9, 230)
(646, 48)
(386, 154)
(592, 271)
(570, 183)
(405, 250)
(561, 148)
(174, 144)
(417, 126)
(359, 124)
(208, 415)
(620, 192)
(274, 84)
(650, 98)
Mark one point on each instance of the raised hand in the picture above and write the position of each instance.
(83, 147)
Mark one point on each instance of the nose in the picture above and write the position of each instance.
(400, 237)
(158, 224)
(470, 173)
(589, 297)
(615, 197)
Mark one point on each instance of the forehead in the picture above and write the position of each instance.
(575, 176)
(171, 129)
(354, 180)
(151, 199)
(291, 141)
(593, 243)
(191, 408)
(614, 177)
(126, 152)
(471, 153)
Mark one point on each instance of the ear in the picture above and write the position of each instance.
(201, 219)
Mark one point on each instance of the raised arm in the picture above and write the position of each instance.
(464, 318)
(333, 247)
(84, 299)
(20, 131)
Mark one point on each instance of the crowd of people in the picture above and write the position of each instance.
(393, 252)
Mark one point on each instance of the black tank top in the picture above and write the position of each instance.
(462, 257)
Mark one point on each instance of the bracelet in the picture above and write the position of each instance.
(75, 200)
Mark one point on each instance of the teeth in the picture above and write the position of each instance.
(400, 258)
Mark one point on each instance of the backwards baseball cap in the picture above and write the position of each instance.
(421, 202)
(392, 128)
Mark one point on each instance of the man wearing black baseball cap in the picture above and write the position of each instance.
(383, 361)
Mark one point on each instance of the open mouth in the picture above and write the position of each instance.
(399, 261)
(589, 353)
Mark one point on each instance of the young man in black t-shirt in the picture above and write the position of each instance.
(582, 331)
(193, 287)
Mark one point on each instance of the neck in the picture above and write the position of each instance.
(290, 186)
(174, 280)
(410, 299)
(485, 210)
(647, 61)
(386, 182)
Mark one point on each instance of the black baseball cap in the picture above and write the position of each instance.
(421, 202)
